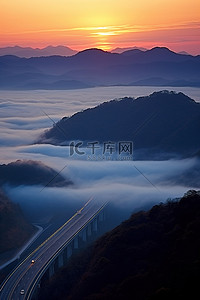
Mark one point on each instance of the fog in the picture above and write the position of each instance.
(128, 185)
(114, 181)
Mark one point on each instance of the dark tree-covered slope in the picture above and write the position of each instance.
(14, 228)
(29, 172)
(162, 122)
(153, 255)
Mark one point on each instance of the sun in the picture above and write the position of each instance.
(105, 33)
(101, 36)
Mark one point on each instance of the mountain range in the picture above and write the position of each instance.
(57, 50)
(163, 124)
(36, 52)
(94, 67)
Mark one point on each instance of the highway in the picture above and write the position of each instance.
(25, 276)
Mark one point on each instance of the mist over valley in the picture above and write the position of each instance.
(26, 115)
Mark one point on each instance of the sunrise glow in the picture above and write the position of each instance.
(81, 24)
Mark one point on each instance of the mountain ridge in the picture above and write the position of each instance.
(122, 50)
(28, 52)
(29, 172)
(157, 124)
(95, 67)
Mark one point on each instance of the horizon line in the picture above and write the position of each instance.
(125, 48)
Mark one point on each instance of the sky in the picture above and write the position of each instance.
(104, 24)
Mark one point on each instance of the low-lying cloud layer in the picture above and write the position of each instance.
(128, 185)
(118, 182)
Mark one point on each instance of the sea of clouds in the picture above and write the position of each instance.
(129, 185)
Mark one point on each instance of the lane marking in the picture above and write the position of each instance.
(42, 271)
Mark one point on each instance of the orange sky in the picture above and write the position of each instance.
(105, 24)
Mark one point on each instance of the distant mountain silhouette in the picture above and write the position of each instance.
(132, 52)
(28, 172)
(94, 67)
(35, 52)
(122, 50)
(158, 81)
(155, 55)
(162, 122)
(183, 52)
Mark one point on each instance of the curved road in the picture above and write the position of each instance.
(25, 276)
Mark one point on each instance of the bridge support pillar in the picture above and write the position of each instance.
(60, 261)
(76, 242)
(89, 229)
(51, 270)
(69, 251)
(84, 235)
(101, 217)
(95, 227)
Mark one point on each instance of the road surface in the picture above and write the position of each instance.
(25, 276)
